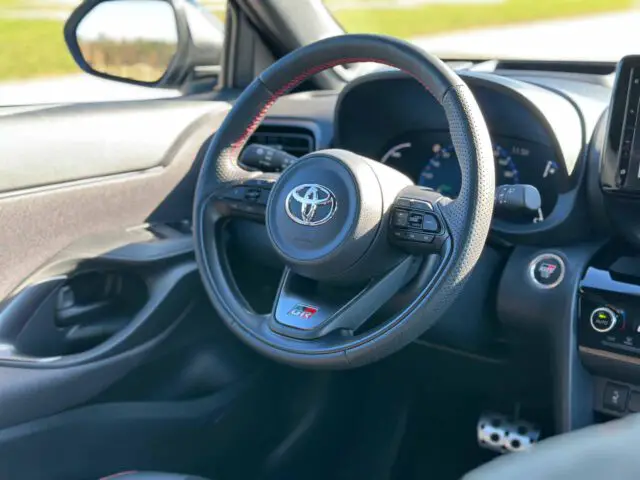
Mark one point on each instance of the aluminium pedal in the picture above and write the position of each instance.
(501, 434)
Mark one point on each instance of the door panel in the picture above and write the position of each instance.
(112, 138)
(40, 222)
(111, 356)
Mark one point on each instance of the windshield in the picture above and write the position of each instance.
(593, 30)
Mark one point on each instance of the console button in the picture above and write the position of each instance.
(603, 319)
(615, 397)
(400, 218)
(430, 223)
(634, 402)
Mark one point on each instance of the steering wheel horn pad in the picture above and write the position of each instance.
(349, 203)
(341, 232)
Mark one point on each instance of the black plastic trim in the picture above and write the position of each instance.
(551, 317)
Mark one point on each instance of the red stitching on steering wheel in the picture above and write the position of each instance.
(238, 144)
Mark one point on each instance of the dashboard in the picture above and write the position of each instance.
(564, 281)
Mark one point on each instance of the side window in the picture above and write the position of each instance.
(125, 39)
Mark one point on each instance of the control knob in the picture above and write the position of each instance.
(603, 319)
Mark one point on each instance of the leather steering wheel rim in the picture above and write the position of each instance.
(467, 218)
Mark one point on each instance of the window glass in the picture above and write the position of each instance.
(592, 30)
(36, 67)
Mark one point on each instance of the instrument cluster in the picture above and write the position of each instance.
(429, 158)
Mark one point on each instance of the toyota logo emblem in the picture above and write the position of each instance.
(311, 204)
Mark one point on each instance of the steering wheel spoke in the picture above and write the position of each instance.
(416, 223)
(246, 199)
(306, 309)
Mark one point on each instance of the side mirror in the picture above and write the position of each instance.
(163, 43)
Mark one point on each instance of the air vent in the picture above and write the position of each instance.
(296, 141)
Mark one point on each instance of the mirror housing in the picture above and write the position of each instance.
(191, 48)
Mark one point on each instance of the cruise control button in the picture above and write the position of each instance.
(400, 234)
(419, 237)
(430, 223)
(400, 218)
(615, 397)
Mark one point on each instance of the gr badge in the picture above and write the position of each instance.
(547, 270)
(304, 312)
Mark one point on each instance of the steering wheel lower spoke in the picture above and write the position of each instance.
(307, 310)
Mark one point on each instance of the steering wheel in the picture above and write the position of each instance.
(351, 232)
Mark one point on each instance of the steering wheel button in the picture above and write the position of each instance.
(403, 202)
(415, 220)
(252, 194)
(430, 223)
(400, 218)
(235, 193)
(264, 197)
(421, 205)
(419, 237)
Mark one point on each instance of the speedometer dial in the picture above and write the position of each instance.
(442, 171)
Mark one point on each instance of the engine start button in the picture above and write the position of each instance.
(547, 270)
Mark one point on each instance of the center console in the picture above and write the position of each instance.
(609, 330)
(609, 290)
